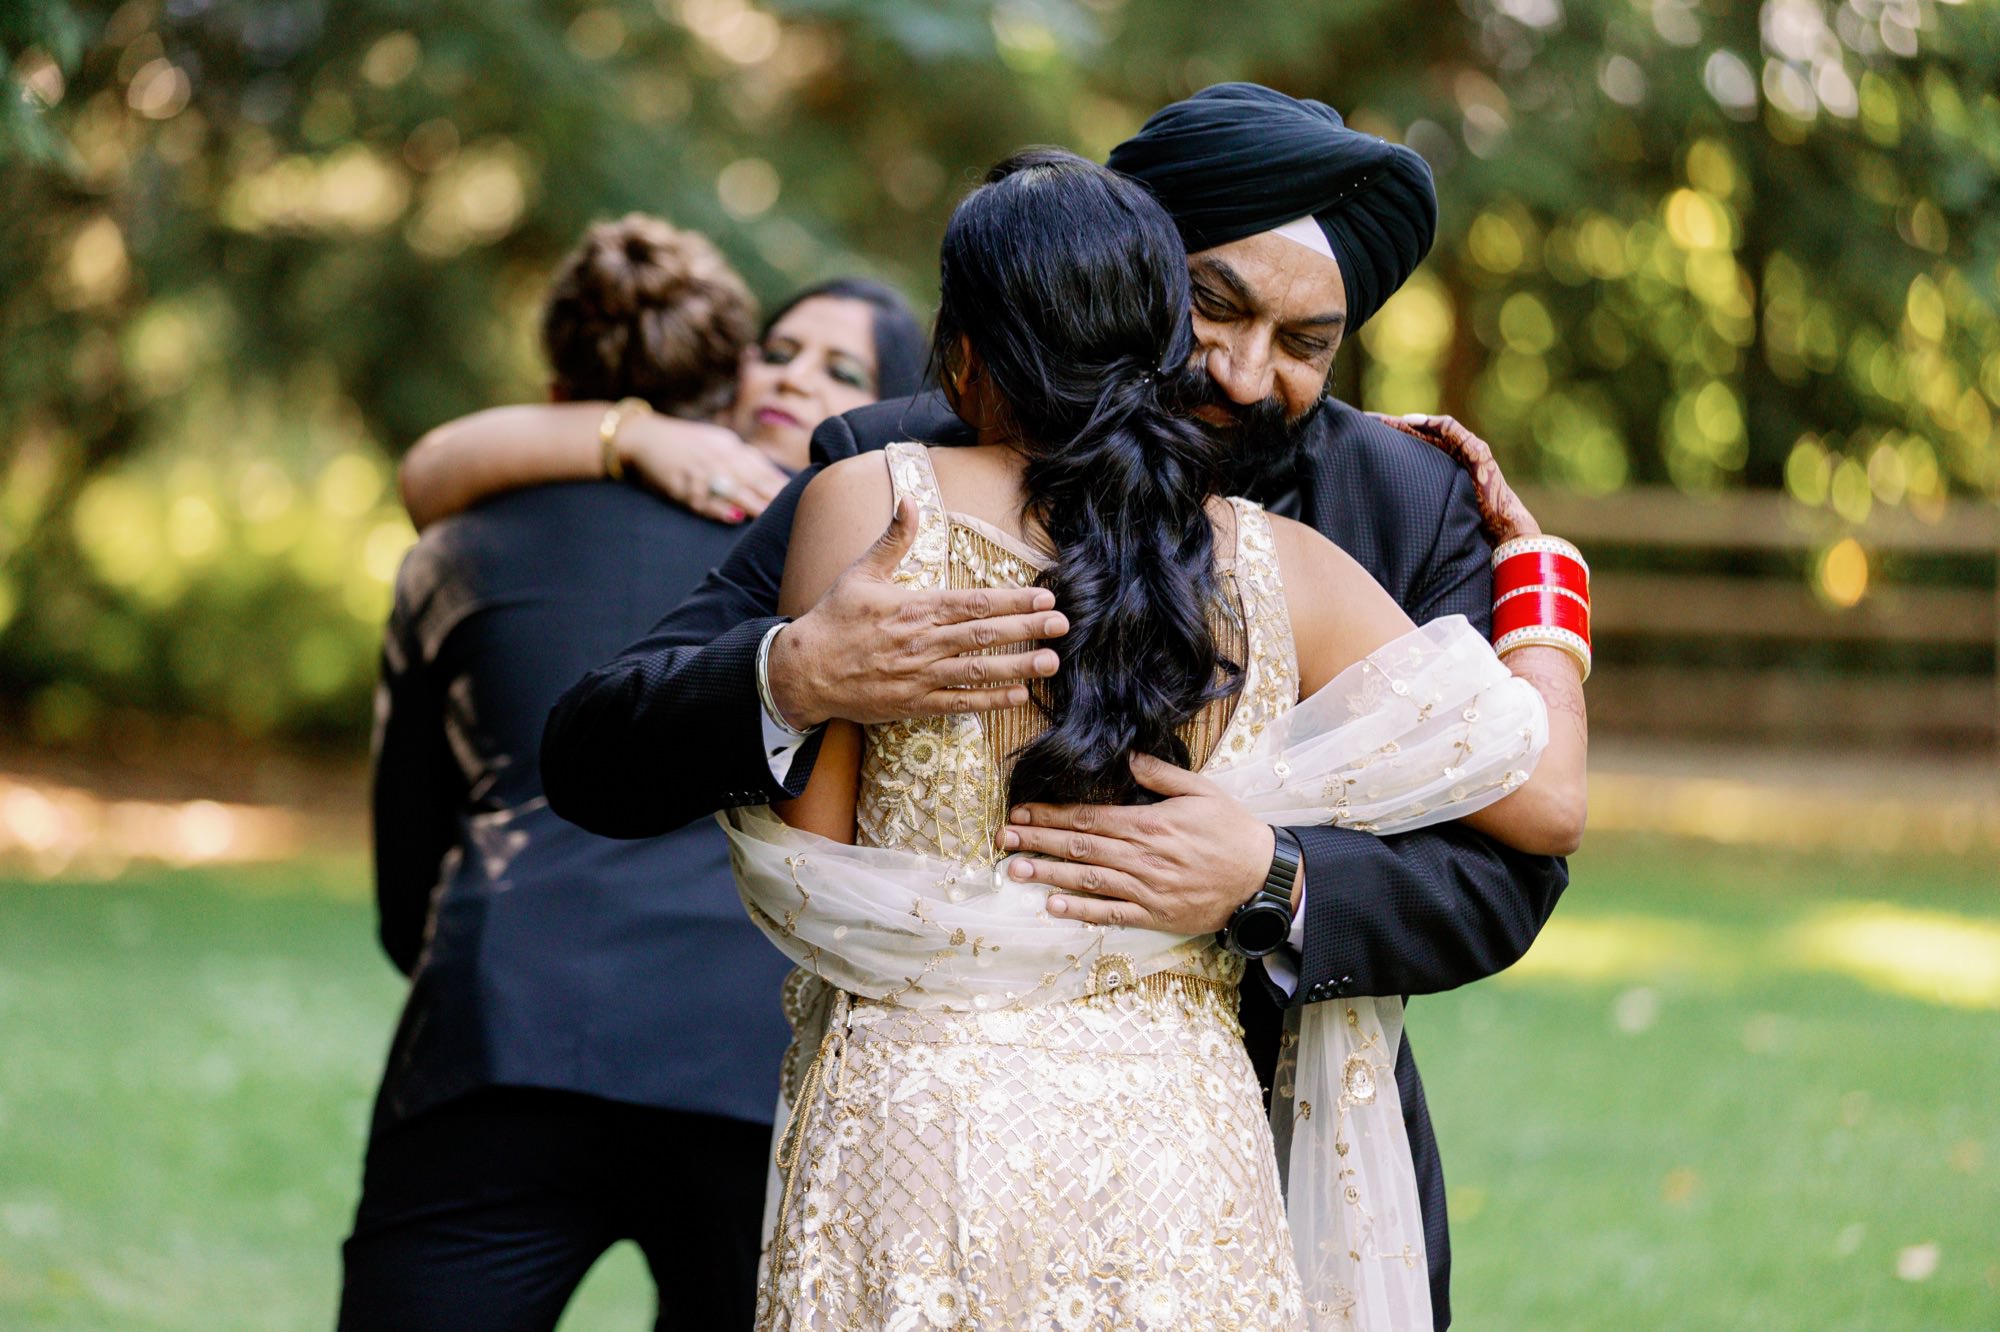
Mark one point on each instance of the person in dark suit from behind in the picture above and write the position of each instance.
(591, 1043)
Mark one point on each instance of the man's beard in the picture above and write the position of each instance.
(1260, 446)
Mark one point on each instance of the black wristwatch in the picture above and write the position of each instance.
(1262, 924)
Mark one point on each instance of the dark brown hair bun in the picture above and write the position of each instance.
(644, 309)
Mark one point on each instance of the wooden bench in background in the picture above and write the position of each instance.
(1711, 623)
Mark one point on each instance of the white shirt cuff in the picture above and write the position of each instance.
(1282, 964)
(781, 741)
(781, 746)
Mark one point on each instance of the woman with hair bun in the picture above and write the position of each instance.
(998, 1115)
(665, 299)
(593, 1030)
(643, 309)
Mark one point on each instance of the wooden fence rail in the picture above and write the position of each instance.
(1709, 621)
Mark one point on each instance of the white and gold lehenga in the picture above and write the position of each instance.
(998, 1119)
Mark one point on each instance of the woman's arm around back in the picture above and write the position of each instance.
(841, 515)
(1340, 614)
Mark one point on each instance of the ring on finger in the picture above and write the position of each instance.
(721, 487)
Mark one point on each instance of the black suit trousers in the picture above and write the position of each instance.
(484, 1214)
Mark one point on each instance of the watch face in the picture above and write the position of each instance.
(1259, 928)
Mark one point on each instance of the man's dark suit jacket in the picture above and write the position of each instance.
(543, 956)
(1410, 914)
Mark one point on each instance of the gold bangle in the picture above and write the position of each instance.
(1539, 545)
(1547, 636)
(607, 433)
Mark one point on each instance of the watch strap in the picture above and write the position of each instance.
(1273, 897)
(1286, 858)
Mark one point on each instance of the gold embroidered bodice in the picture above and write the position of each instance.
(1101, 1162)
(939, 784)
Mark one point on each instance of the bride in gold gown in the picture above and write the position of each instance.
(999, 1119)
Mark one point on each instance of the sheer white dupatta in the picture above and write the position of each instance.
(1428, 728)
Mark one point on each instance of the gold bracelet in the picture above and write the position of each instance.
(1542, 544)
(1548, 636)
(607, 433)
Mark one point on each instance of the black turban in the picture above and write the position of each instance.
(1238, 159)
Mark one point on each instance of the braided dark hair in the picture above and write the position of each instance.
(1070, 286)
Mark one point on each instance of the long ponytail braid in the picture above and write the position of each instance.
(1070, 286)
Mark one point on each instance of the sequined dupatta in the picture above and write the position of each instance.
(1429, 728)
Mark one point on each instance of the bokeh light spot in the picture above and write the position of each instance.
(392, 59)
(596, 34)
(350, 485)
(1808, 471)
(1852, 496)
(1695, 221)
(98, 268)
(382, 553)
(117, 526)
(194, 529)
(160, 90)
(1923, 309)
(1495, 244)
(1843, 573)
(1525, 324)
(748, 187)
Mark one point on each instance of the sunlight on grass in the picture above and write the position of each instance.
(1932, 955)
(1612, 948)
(1680, 1100)
(1730, 812)
(1940, 957)
(56, 829)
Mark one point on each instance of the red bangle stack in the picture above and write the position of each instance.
(1540, 568)
(1541, 591)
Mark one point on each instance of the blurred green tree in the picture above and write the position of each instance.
(249, 249)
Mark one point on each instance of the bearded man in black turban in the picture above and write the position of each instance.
(1298, 229)
(1238, 159)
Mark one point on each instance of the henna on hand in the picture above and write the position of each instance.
(1554, 674)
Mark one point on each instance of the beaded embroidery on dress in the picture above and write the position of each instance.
(1103, 1162)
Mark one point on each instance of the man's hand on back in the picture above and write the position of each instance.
(871, 651)
(1183, 864)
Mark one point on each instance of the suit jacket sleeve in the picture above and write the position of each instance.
(417, 789)
(670, 730)
(1424, 911)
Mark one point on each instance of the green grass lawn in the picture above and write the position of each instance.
(1730, 1090)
